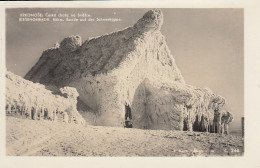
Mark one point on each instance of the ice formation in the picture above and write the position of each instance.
(132, 67)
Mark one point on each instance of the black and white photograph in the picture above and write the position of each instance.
(124, 82)
(129, 82)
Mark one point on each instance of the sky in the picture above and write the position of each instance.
(207, 44)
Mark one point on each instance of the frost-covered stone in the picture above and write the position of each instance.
(70, 44)
(152, 19)
(134, 68)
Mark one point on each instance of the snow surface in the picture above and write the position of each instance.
(46, 138)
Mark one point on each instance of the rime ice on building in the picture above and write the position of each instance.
(33, 101)
(132, 67)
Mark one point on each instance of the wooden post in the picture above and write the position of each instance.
(242, 124)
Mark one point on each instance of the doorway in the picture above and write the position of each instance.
(128, 117)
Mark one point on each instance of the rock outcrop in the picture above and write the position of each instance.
(132, 67)
(35, 101)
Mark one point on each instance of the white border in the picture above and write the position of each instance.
(252, 87)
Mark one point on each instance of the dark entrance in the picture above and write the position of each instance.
(128, 117)
(185, 125)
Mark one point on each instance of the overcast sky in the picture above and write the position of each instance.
(207, 44)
